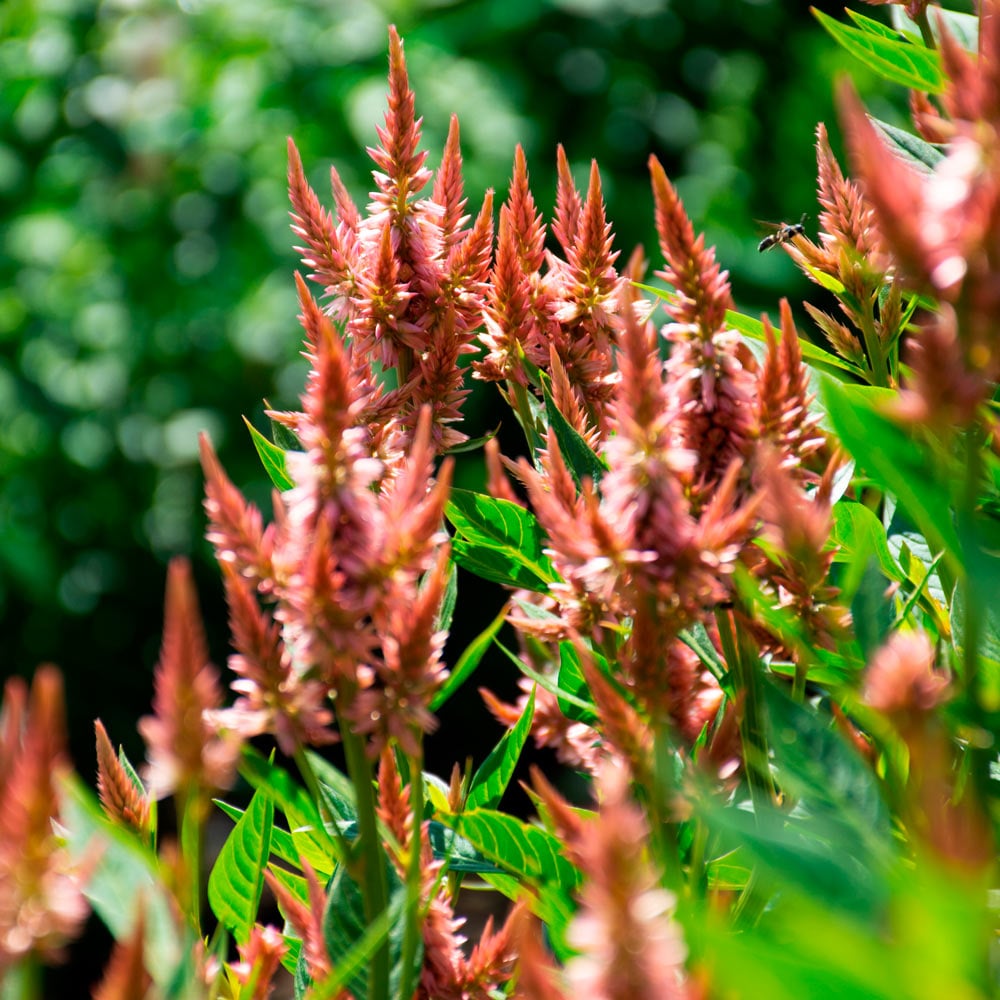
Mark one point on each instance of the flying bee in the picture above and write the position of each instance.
(784, 233)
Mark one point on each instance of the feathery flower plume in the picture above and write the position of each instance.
(902, 683)
(42, 906)
(305, 920)
(408, 279)
(234, 526)
(630, 946)
(120, 797)
(447, 973)
(273, 698)
(537, 976)
(712, 373)
(797, 529)
(569, 310)
(184, 753)
(786, 423)
(260, 959)
(126, 976)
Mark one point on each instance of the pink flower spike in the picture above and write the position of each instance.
(402, 164)
(448, 187)
(326, 252)
(235, 528)
(893, 188)
(42, 906)
(569, 204)
(119, 796)
(184, 755)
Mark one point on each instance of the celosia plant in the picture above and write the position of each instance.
(753, 583)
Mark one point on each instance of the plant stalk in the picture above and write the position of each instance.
(368, 855)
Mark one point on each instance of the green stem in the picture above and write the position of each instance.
(192, 810)
(309, 776)
(924, 24)
(369, 855)
(873, 345)
(744, 667)
(522, 410)
(411, 930)
(24, 981)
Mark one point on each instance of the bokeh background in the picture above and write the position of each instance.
(146, 261)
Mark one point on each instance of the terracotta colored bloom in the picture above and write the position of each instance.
(41, 903)
(901, 678)
(408, 278)
(630, 948)
(185, 754)
(121, 799)
(260, 959)
(447, 973)
(711, 371)
(562, 318)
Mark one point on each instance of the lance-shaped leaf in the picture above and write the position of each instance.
(493, 775)
(271, 457)
(499, 541)
(237, 879)
(896, 60)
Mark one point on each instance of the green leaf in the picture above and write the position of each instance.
(894, 461)
(457, 851)
(499, 540)
(282, 435)
(571, 682)
(918, 153)
(447, 610)
(896, 60)
(123, 874)
(312, 840)
(816, 765)
(282, 844)
(473, 444)
(858, 533)
(493, 775)
(345, 927)
(530, 853)
(271, 457)
(544, 682)
(813, 356)
(237, 878)
(581, 460)
(961, 26)
(697, 640)
(469, 660)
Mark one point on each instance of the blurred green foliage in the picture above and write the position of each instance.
(145, 271)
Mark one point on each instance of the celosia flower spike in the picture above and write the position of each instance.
(260, 959)
(273, 698)
(398, 157)
(537, 976)
(448, 187)
(329, 251)
(702, 288)
(126, 976)
(42, 906)
(896, 193)
(630, 946)
(184, 754)
(783, 414)
(569, 204)
(527, 227)
(120, 797)
(306, 920)
(235, 528)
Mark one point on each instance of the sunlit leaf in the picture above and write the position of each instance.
(493, 775)
(271, 457)
(901, 62)
(237, 877)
